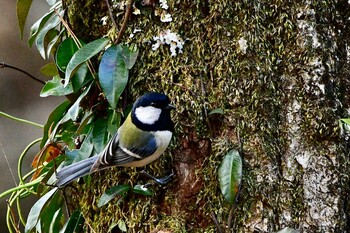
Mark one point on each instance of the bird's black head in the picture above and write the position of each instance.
(151, 112)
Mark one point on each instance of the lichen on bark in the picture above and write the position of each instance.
(279, 69)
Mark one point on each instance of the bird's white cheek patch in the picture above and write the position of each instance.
(148, 115)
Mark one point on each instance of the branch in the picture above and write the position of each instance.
(4, 65)
(125, 22)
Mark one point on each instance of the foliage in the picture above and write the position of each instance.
(77, 128)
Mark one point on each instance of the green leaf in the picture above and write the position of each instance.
(113, 72)
(56, 220)
(23, 7)
(112, 193)
(216, 111)
(55, 87)
(230, 175)
(49, 69)
(53, 22)
(82, 55)
(37, 26)
(130, 55)
(122, 225)
(100, 134)
(36, 210)
(143, 190)
(53, 205)
(346, 120)
(288, 230)
(65, 52)
(114, 119)
(74, 224)
(54, 117)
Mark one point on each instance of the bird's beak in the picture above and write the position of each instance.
(170, 107)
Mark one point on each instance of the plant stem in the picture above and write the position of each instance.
(20, 160)
(4, 65)
(19, 187)
(230, 217)
(21, 120)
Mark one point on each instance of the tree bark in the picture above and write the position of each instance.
(280, 71)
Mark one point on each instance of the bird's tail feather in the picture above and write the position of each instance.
(75, 171)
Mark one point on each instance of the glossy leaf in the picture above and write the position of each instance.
(74, 224)
(100, 134)
(130, 55)
(37, 26)
(53, 205)
(23, 7)
(230, 175)
(114, 119)
(143, 190)
(36, 210)
(53, 22)
(65, 52)
(82, 55)
(55, 87)
(112, 193)
(54, 117)
(113, 71)
(49, 69)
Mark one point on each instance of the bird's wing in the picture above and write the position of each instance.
(144, 146)
(119, 152)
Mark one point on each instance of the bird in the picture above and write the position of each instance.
(141, 139)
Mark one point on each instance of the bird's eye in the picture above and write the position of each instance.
(153, 104)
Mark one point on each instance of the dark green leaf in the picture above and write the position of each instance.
(55, 116)
(82, 55)
(114, 119)
(49, 69)
(37, 26)
(230, 175)
(143, 190)
(23, 7)
(55, 87)
(112, 193)
(113, 73)
(130, 55)
(53, 205)
(74, 224)
(100, 134)
(56, 221)
(36, 210)
(65, 52)
(51, 40)
(81, 78)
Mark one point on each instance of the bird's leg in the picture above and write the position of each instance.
(161, 181)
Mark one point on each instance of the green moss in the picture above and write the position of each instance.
(255, 88)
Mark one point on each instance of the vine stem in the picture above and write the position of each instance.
(20, 120)
(27, 185)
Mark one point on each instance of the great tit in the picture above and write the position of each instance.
(141, 139)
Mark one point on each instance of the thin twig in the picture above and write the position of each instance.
(230, 217)
(111, 14)
(125, 22)
(4, 65)
(218, 227)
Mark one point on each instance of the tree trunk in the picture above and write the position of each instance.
(280, 72)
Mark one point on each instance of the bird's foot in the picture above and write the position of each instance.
(162, 181)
